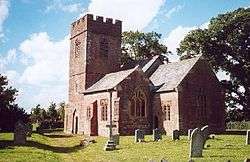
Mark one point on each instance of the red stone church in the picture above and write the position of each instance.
(145, 95)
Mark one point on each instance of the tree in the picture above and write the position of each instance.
(36, 114)
(61, 111)
(10, 112)
(226, 45)
(138, 46)
(52, 113)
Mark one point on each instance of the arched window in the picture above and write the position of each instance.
(168, 107)
(104, 109)
(132, 107)
(104, 47)
(77, 48)
(138, 104)
(164, 110)
(104, 113)
(88, 113)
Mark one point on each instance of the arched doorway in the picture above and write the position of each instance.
(76, 125)
(156, 122)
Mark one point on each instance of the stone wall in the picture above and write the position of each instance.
(128, 123)
(201, 101)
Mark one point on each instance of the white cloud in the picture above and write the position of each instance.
(135, 14)
(46, 69)
(48, 59)
(173, 10)
(4, 12)
(60, 5)
(9, 58)
(172, 41)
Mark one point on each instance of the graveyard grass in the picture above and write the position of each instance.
(59, 147)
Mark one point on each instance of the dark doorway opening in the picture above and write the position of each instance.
(94, 121)
(76, 125)
(156, 122)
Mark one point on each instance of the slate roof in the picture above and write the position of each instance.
(110, 80)
(149, 63)
(169, 76)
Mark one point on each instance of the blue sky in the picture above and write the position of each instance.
(34, 35)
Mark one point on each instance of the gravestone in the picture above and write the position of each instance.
(189, 133)
(176, 135)
(157, 134)
(164, 160)
(205, 133)
(248, 137)
(20, 132)
(29, 130)
(116, 139)
(196, 143)
(139, 135)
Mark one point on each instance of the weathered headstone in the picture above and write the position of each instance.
(116, 139)
(157, 134)
(248, 137)
(176, 135)
(139, 135)
(164, 160)
(189, 133)
(20, 133)
(29, 130)
(196, 143)
(205, 133)
(247, 160)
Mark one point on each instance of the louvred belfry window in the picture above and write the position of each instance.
(77, 48)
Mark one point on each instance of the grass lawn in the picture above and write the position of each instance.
(59, 147)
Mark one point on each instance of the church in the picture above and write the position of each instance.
(145, 95)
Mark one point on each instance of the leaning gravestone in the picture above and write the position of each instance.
(189, 133)
(139, 135)
(196, 143)
(157, 134)
(248, 137)
(205, 133)
(176, 135)
(20, 133)
(116, 139)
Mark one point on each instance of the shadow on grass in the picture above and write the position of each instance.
(9, 144)
(234, 132)
(57, 136)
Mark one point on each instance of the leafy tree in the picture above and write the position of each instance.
(226, 45)
(233, 115)
(138, 46)
(10, 112)
(52, 113)
(36, 114)
(61, 111)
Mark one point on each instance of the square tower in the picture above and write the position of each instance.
(95, 50)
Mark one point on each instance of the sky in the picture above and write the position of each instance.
(34, 36)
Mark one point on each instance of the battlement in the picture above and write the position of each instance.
(96, 24)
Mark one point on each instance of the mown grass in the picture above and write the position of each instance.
(59, 147)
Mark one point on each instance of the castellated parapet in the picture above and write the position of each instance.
(98, 25)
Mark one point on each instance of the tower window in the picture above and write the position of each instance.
(77, 48)
(104, 47)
